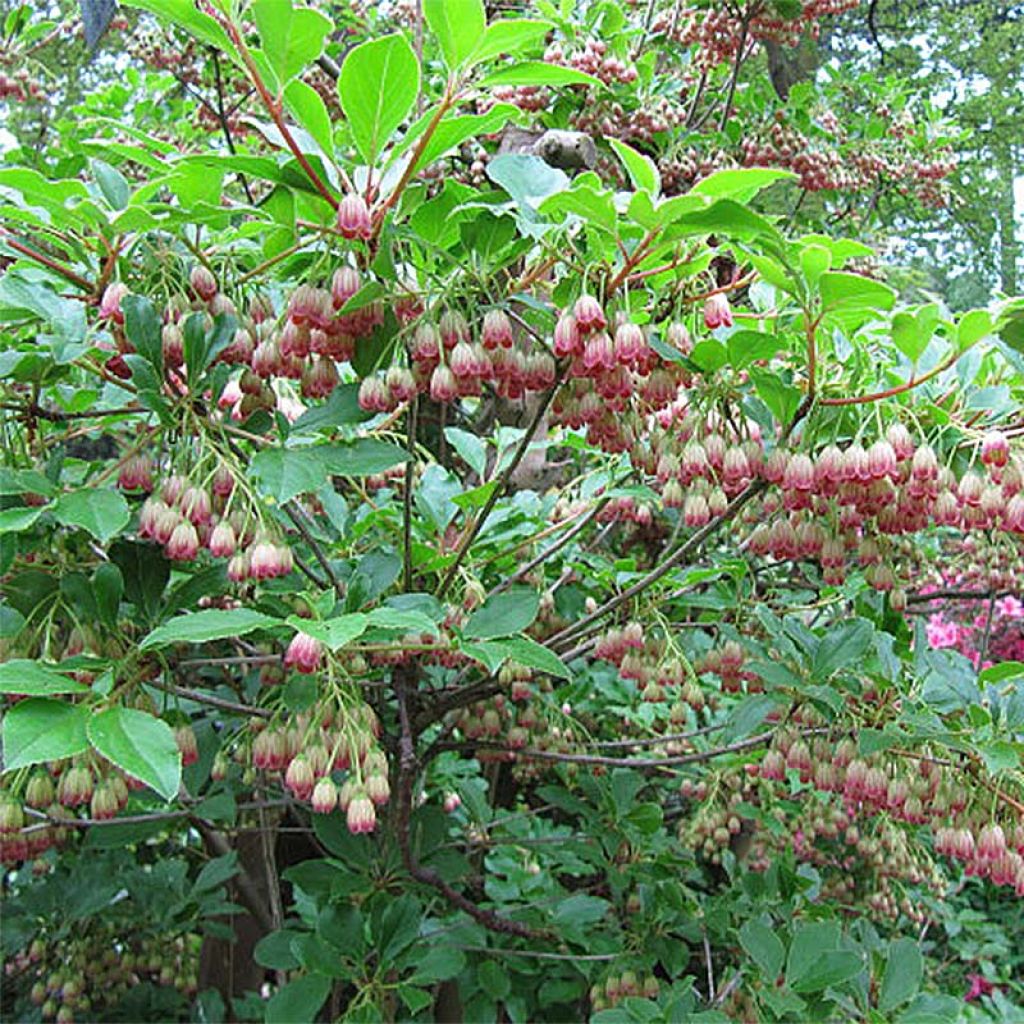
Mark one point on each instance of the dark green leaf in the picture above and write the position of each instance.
(210, 624)
(299, 1000)
(902, 978)
(764, 947)
(504, 614)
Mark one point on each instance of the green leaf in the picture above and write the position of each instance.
(999, 756)
(113, 185)
(307, 107)
(908, 337)
(493, 979)
(974, 325)
(764, 947)
(15, 520)
(31, 678)
(842, 646)
(750, 713)
(37, 730)
(108, 587)
(216, 872)
(580, 909)
(459, 27)
(334, 633)
(439, 963)
(378, 86)
(139, 744)
(24, 481)
(537, 72)
(528, 652)
(408, 621)
(291, 37)
(828, 969)
(741, 184)
(641, 169)
(840, 290)
(503, 614)
(808, 943)
(366, 456)
(453, 130)
(902, 978)
(275, 950)
(415, 999)
(470, 449)
(782, 399)
(511, 38)
(284, 473)
(299, 1000)
(184, 14)
(142, 329)
(102, 512)
(746, 347)
(341, 408)
(210, 624)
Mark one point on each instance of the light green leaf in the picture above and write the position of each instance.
(210, 624)
(139, 744)
(333, 633)
(306, 106)
(972, 327)
(641, 169)
(459, 27)
(511, 38)
(740, 184)
(292, 37)
(112, 183)
(404, 621)
(840, 290)
(102, 512)
(470, 448)
(378, 86)
(14, 520)
(29, 677)
(37, 730)
(184, 14)
(828, 969)
(537, 72)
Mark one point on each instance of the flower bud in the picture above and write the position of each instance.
(304, 653)
(354, 217)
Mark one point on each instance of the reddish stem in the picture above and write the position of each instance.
(66, 272)
(274, 109)
(898, 390)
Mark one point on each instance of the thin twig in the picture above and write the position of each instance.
(209, 698)
(472, 531)
(406, 773)
(293, 513)
(693, 542)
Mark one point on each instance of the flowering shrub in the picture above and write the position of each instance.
(471, 547)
